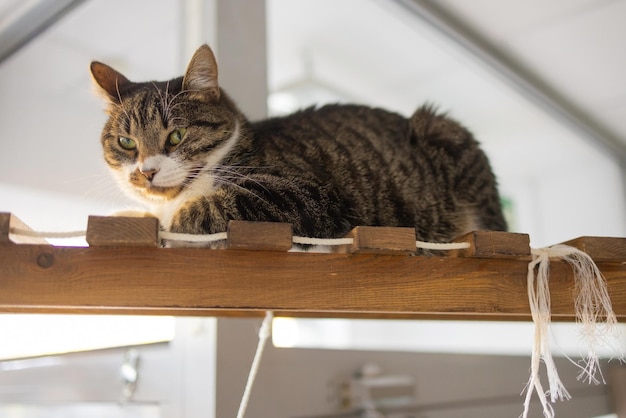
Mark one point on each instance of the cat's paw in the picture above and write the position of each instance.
(133, 214)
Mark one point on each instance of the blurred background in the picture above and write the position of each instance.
(540, 84)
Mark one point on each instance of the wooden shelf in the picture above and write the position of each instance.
(194, 281)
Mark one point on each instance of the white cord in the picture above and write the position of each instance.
(222, 236)
(176, 236)
(50, 234)
(264, 334)
(442, 245)
(593, 311)
(322, 241)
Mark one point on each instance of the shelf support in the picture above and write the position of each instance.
(121, 278)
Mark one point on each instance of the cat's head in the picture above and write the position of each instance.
(161, 138)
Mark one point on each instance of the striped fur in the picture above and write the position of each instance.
(324, 170)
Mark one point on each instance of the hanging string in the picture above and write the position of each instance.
(539, 299)
(264, 334)
(592, 304)
(599, 326)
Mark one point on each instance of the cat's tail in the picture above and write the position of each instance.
(460, 164)
(427, 124)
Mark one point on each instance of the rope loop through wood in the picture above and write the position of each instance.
(222, 236)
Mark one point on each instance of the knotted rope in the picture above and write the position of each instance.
(592, 305)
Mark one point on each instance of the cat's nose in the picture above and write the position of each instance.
(149, 173)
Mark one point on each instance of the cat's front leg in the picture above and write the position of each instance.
(202, 216)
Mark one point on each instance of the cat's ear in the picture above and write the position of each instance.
(201, 76)
(108, 81)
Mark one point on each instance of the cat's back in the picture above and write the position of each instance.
(347, 123)
(424, 170)
(335, 122)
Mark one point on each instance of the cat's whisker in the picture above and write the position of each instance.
(226, 175)
(166, 103)
(163, 101)
(176, 96)
(119, 96)
(181, 119)
(98, 187)
(228, 179)
(250, 167)
(237, 176)
(225, 182)
(104, 192)
(249, 173)
(175, 105)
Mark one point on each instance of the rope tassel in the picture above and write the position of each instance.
(592, 306)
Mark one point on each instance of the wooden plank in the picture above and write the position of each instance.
(123, 231)
(9, 221)
(196, 281)
(267, 236)
(382, 240)
(5, 227)
(601, 248)
(494, 244)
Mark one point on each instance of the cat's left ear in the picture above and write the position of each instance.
(201, 77)
(108, 81)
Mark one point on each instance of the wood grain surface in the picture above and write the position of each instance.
(125, 272)
(35, 278)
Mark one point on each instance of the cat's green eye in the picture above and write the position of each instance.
(176, 136)
(127, 143)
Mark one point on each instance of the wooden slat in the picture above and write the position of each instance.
(601, 248)
(123, 231)
(382, 240)
(268, 236)
(494, 244)
(197, 281)
(8, 221)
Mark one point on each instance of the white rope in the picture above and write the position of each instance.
(49, 234)
(322, 241)
(222, 236)
(264, 334)
(442, 245)
(539, 299)
(592, 304)
(176, 236)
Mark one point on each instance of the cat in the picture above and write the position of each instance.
(184, 148)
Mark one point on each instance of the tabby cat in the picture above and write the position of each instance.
(184, 148)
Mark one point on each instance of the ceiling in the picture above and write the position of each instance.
(539, 83)
(566, 54)
(571, 50)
